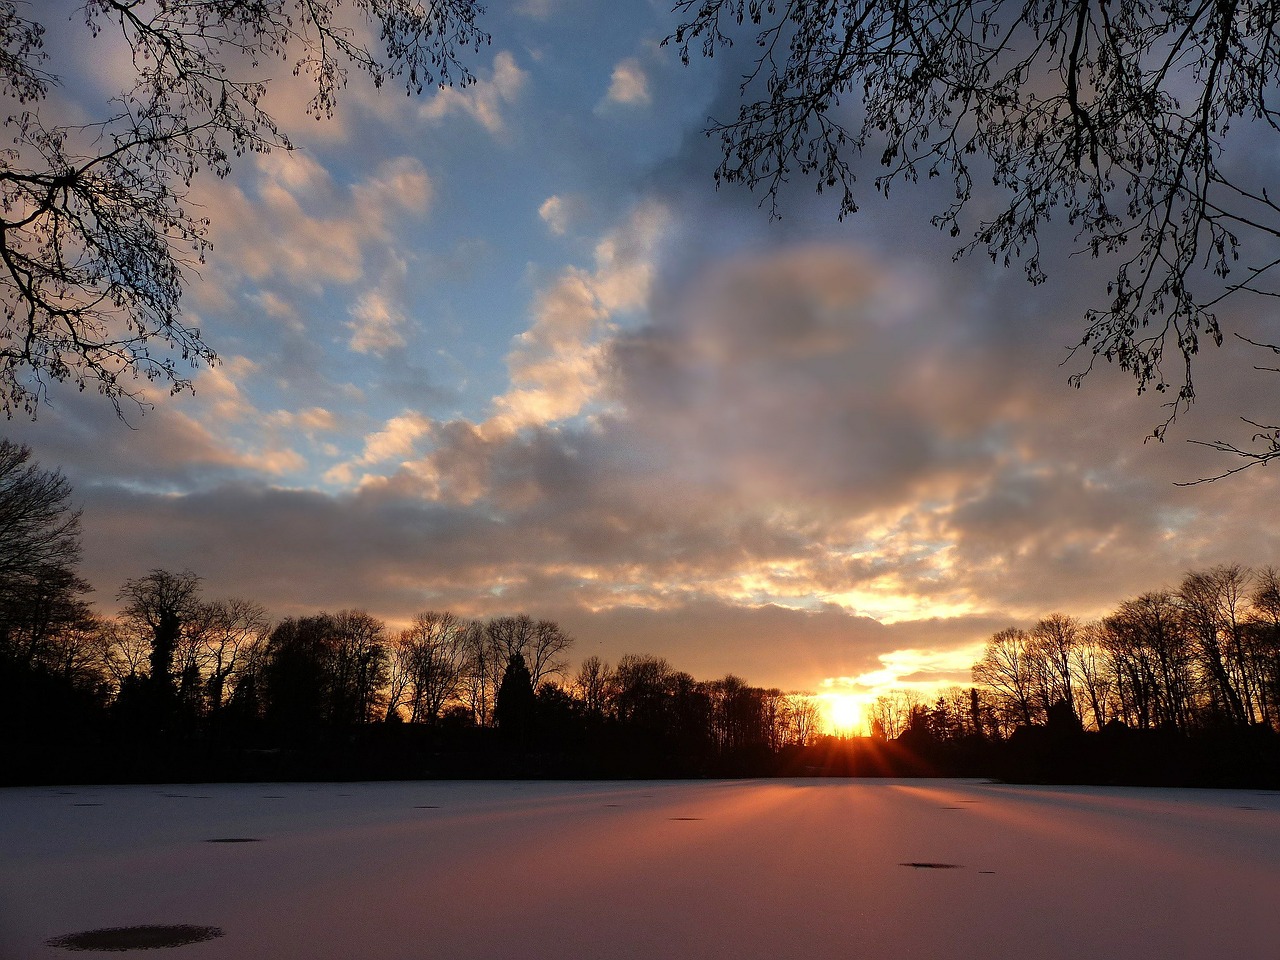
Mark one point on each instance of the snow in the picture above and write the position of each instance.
(792, 869)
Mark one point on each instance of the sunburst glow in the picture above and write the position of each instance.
(843, 713)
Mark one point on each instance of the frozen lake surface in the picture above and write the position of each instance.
(785, 870)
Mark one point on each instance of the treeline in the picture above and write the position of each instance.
(1177, 686)
(178, 684)
(1203, 657)
(1174, 686)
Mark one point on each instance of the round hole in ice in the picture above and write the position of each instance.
(148, 937)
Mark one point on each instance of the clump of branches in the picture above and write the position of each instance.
(1110, 115)
(96, 225)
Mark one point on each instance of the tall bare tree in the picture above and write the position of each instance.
(483, 672)
(592, 684)
(545, 652)
(228, 632)
(430, 656)
(1264, 624)
(1151, 658)
(540, 642)
(164, 605)
(800, 719)
(1010, 666)
(1055, 640)
(121, 651)
(1094, 669)
(1212, 604)
(358, 665)
(889, 712)
(39, 543)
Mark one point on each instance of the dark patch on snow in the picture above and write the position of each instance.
(234, 840)
(684, 818)
(920, 865)
(94, 804)
(426, 806)
(149, 937)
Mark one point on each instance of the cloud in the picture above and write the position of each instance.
(218, 390)
(300, 551)
(399, 182)
(537, 9)
(484, 100)
(375, 324)
(293, 222)
(629, 84)
(802, 430)
(310, 420)
(394, 442)
(554, 365)
(555, 214)
(396, 439)
(792, 464)
(277, 307)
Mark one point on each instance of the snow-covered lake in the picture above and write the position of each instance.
(785, 870)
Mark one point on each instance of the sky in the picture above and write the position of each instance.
(508, 349)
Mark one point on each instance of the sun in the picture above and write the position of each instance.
(843, 713)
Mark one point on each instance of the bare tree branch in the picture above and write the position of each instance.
(1111, 116)
(97, 230)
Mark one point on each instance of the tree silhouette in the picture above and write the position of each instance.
(162, 607)
(39, 546)
(592, 686)
(297, 678)
(1111, 117)
(1010, 665)
(1212, 604)
(1149, 653)
(426, 665)
(51, 681)
(228, 633)
(516, 703)
(165, 604)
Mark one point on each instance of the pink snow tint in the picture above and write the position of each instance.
(801, 870)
